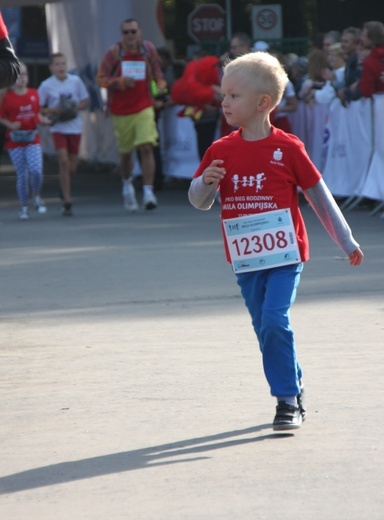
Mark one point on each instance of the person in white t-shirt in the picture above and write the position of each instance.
(62, 96)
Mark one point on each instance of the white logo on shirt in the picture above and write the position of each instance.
(249, 181)
(278, 155)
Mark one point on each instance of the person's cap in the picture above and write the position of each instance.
(260, 46)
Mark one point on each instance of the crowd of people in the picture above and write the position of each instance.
(347, 65)
(140, 80)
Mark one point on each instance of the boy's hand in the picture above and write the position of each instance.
(356, 257)
(214, 173)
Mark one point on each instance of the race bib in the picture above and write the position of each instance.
(133, 69)
(261, 241)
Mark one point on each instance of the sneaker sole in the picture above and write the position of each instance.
(131, 209)
(286, 427)
(150, 205)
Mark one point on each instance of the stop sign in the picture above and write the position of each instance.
(207, 23)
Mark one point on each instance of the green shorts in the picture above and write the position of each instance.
(135, 129)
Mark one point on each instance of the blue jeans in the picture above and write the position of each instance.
(268, 295)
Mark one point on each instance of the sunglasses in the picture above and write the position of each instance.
(129, 31)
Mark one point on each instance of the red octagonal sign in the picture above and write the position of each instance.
(207, 23)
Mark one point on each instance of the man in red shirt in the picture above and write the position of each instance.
(127, 70)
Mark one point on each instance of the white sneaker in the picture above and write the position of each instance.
(23, 215)
(130, 203)
(149, 200)
(40, 206)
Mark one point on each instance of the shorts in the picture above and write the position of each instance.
(71, 142)
(134, 130)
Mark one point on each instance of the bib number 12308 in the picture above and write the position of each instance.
(261, 241)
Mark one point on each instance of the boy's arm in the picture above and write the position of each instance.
(203, 188)
(325, 207)
(201, 195)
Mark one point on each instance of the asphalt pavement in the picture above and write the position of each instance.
(131, 380)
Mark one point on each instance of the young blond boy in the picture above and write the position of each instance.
(258, 169)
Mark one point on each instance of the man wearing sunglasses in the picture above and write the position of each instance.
(127, 71)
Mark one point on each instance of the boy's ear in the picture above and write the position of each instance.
(264, 103)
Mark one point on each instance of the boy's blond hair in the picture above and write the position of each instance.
(264, 71)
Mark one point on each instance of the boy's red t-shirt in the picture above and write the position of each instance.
(263, 175)
(24, 108)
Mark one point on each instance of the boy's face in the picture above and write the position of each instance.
(240, 99)
(59, 67)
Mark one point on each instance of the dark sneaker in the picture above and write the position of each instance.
(66, 210)
(288, 417)
(301, 402)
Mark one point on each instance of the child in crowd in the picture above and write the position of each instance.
(62, 96)
(20, 114)
(258, 169)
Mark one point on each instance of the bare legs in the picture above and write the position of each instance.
(67, 167)
(147, 164)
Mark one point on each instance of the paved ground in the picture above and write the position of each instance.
(131, 381)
